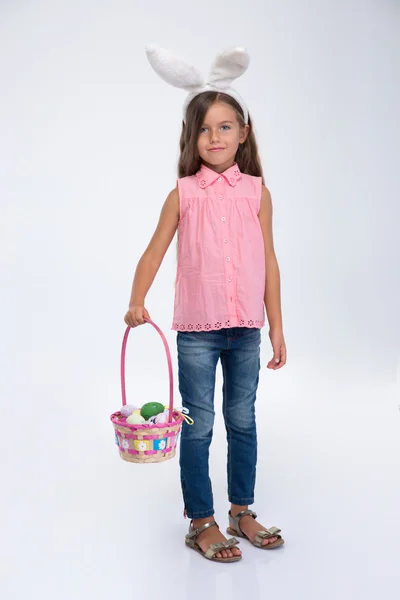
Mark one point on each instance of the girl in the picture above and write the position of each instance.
(227, 270)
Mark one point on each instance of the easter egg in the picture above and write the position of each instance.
(127, 410)
(150, 409)
(135, 419)
(162, 417)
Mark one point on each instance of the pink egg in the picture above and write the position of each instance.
(163, 417)
(127, 410)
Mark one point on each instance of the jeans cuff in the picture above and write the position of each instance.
(241, 501)
(199, 515)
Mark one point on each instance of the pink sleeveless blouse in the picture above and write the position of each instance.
(220, 279)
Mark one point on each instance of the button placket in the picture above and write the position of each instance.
(229, 270)
(221, 198)
(220, 193)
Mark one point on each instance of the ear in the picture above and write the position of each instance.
(173, 69)
(228, 66)
(244, 132)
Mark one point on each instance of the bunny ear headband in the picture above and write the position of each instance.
(227, 66)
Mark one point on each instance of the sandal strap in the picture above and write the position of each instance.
(264, 535)
(193, 533)
(220, 546)
(235, 520)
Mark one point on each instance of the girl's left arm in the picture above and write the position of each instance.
(272, 297)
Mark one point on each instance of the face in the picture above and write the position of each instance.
(220, 136)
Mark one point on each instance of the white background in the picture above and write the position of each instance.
(89, 146)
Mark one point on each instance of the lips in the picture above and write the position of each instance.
(216, 149)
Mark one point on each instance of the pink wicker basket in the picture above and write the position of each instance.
(147, 443)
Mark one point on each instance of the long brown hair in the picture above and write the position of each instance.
(247, 156)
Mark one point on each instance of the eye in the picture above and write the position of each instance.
(225, 127)
(203, 129)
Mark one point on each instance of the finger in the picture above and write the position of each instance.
(281, 364)
(137, 317)
(277, 356)
(274, 365)
(284, 355)
(282, 361)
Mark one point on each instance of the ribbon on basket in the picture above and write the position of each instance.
(185, 415)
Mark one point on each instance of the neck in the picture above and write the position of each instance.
(220, 168)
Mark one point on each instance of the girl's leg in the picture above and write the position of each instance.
(241, 368)
(198, 355)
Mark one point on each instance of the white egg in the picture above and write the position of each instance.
(135, 419)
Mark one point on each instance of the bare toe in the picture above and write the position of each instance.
(265, 542)
(269, 541)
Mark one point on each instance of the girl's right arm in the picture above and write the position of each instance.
(151, 260)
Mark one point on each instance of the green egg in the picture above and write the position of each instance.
(150, 409)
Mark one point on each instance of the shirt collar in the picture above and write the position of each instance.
(206, 176)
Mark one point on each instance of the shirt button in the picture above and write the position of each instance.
(226, 241)
(221, 197)
(219, 178)
(223, 218)
(229, 279)
(228, 258)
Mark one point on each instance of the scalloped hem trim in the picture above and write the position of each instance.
(251, 323)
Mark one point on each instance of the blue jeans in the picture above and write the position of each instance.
(198, 356)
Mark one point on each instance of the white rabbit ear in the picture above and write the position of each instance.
(173, 69)
(228, 66)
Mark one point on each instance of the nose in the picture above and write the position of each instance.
(214, 135)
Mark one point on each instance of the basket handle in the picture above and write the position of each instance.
(168, 353)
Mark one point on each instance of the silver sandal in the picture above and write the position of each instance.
(234, 529)
(190, 541)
